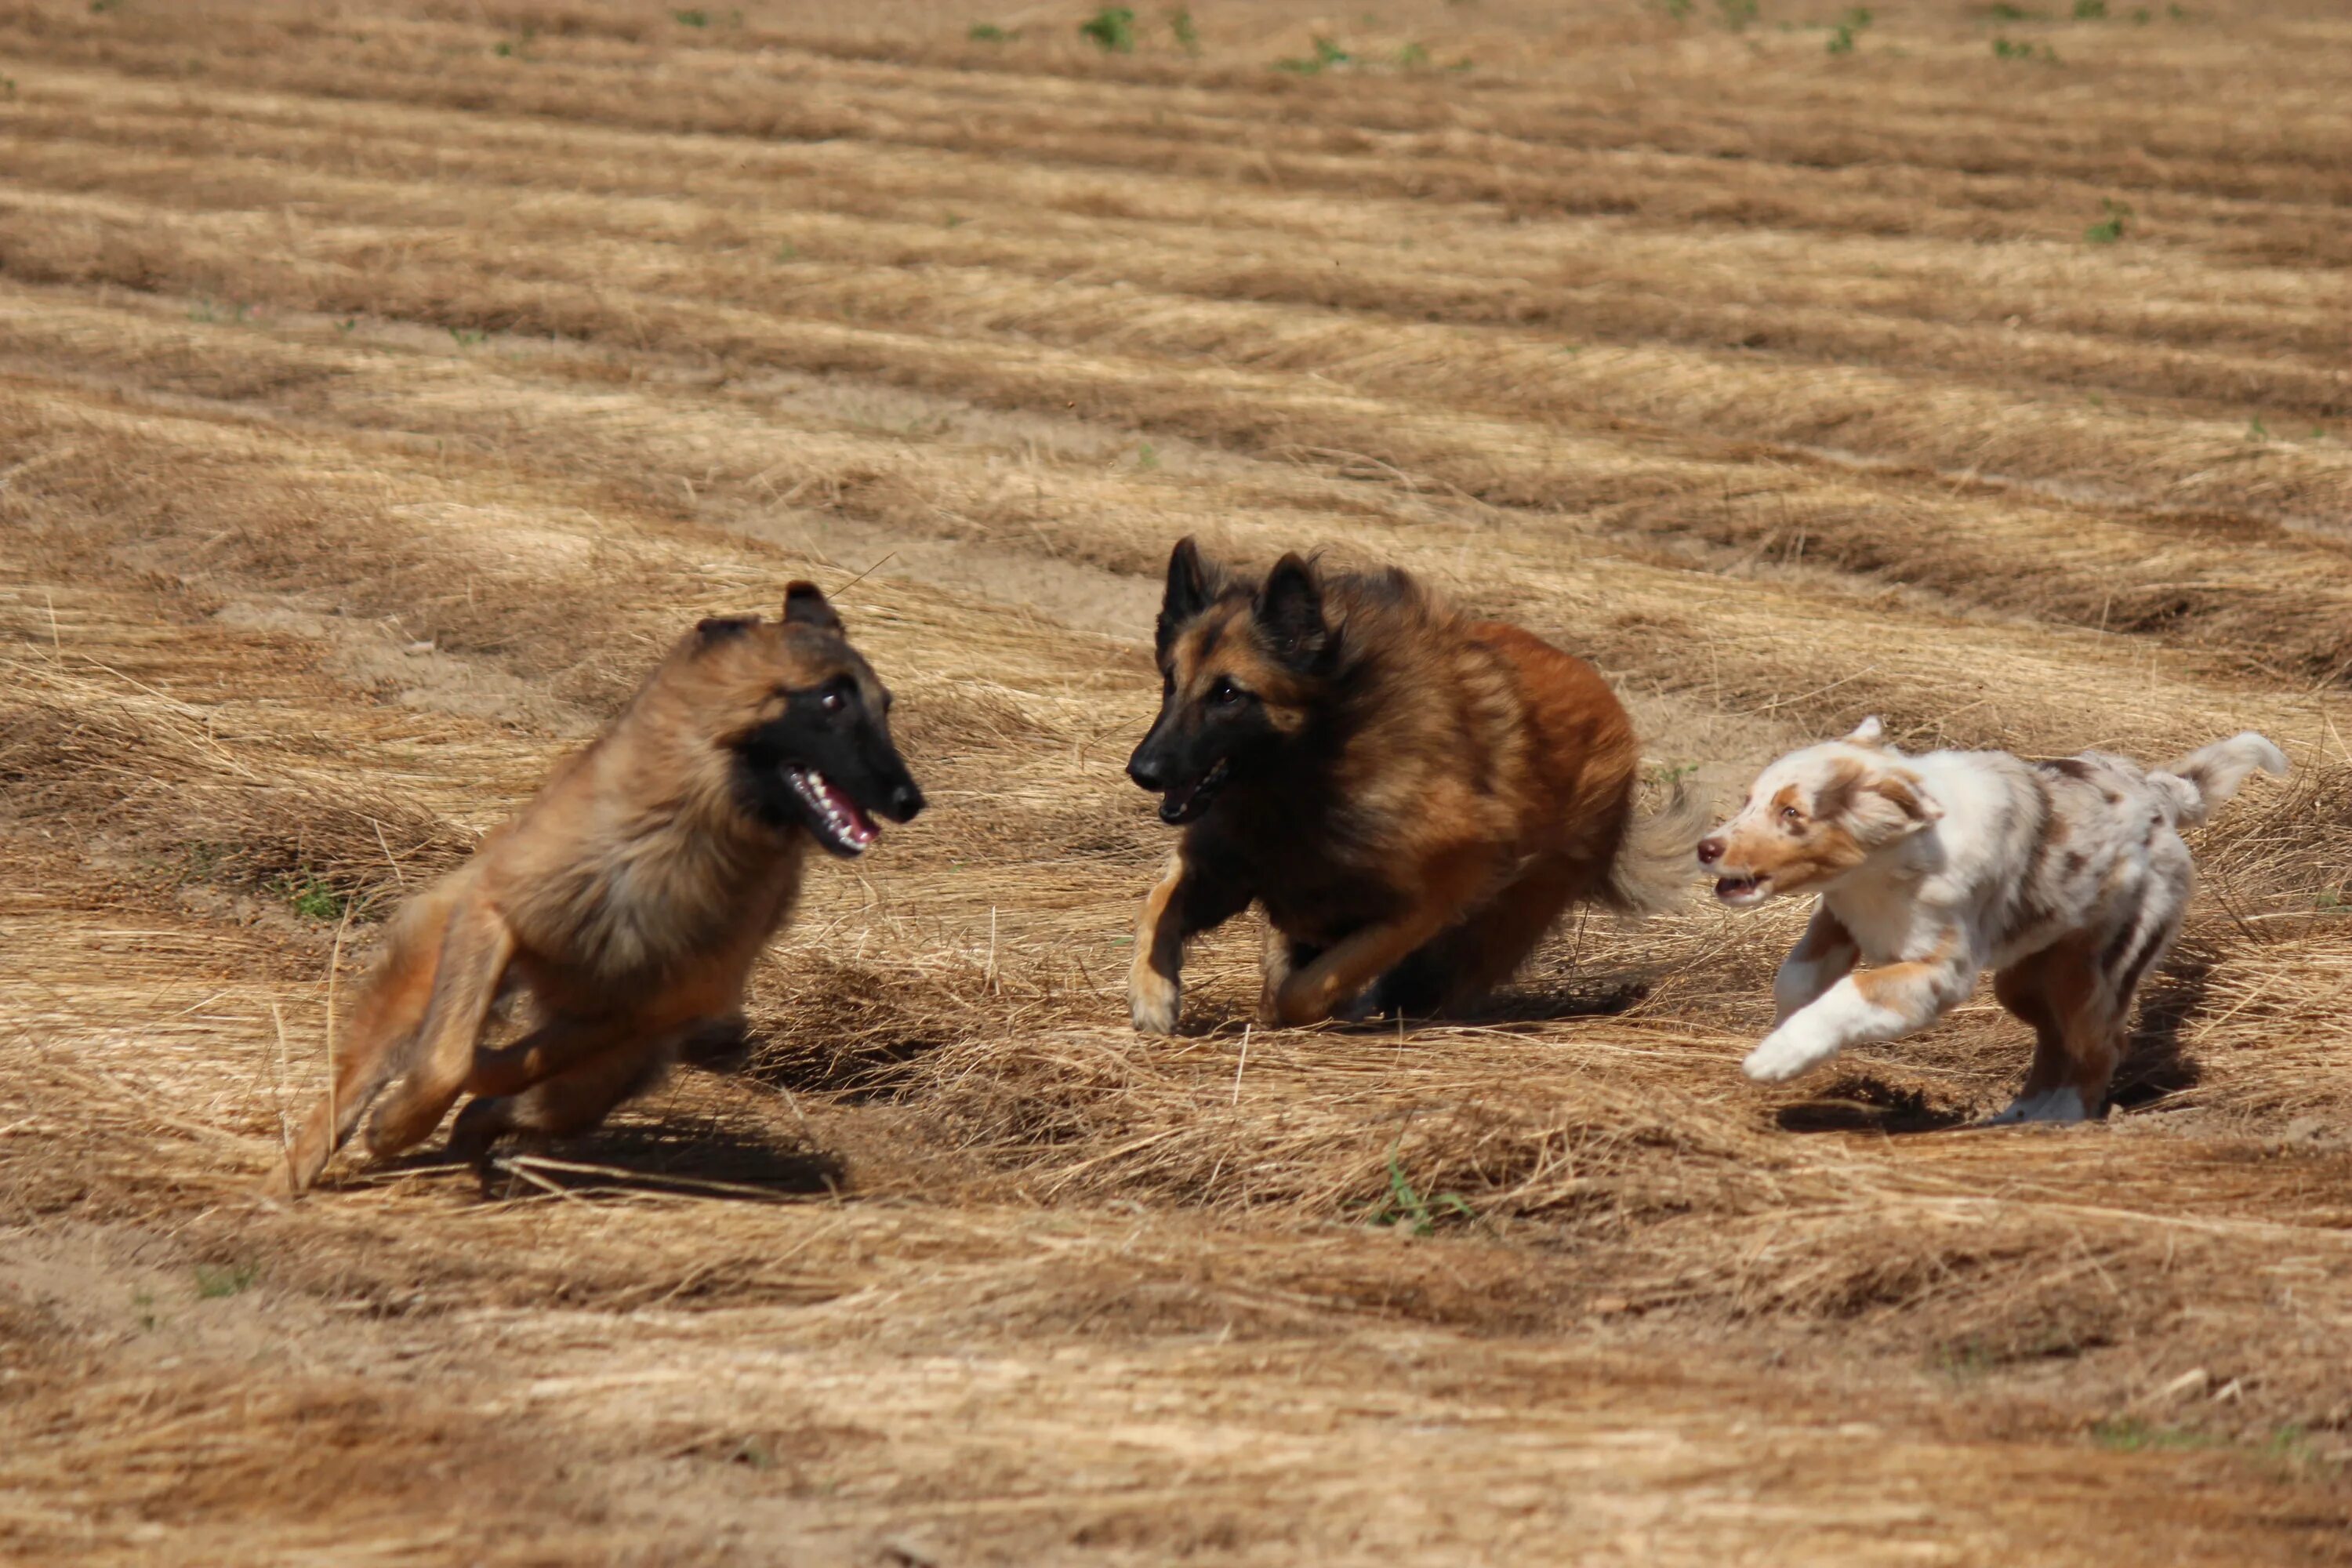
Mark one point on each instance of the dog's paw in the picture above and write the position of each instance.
(1787, 1052)
(1154, 1002)
(2061, 1106)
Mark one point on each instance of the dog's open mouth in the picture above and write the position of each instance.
(836, 818)
(1185, 802)
(1743, 891)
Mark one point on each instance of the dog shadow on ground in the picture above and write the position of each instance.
(1548, 1005)
(705, 1157)
(1856, 1102)
(689, 1155)
(2153, 1064)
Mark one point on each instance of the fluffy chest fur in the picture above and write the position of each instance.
(629, 884)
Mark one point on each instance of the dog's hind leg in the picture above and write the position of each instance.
(474, 952)
(1283, 958)
(1462, 963)
(2070, 998)
(397, 994)
(571, 1101)
(1322, 987)
(555, 1047)
(2023, 989)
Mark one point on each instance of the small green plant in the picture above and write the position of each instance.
(2090, 10)
(99, 6)
(466, 337)
(1679, 10)
(2130, 1435)
(2004, 49)
(2110, 228)
(2175, 13)
(348, 325)
(1325, 56)
(145, 1301)
(1842, 35)
(1737, 13)
(1187, 36)
(1146, 456)
(988, 33)
(691, 19)
(1405, 1206)
(7, 90)
(2290, 1445)
(215, 1280)
(1413, 56)
(788, 251)
(309, 895)
(957, 220)
(2007, 13)
(2256, 430)
(1112, 29)
(1964, 1363)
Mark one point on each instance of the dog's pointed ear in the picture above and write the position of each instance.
(1290, 609)
(1869, 732)
(717, 629)
(805, 604)
(1188, 592)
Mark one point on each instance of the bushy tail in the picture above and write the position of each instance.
(1655, 864)
(2211, 775)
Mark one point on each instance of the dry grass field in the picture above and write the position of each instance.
(383, 385)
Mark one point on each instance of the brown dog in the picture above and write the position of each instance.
(629, 899)
(1412, 796)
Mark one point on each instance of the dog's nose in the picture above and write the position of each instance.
(904, 801)
(1146, 772)
(1710, 850)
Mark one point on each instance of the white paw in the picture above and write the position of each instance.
(1786, 1052)
(1154, 1002)
(2059, 1105)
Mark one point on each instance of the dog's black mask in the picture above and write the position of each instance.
(828, 764)
(819, 753)
(1239, 667)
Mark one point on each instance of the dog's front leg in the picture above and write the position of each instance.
(1884, 1004)
(1184, 901)
(1321, 988)
(1824, 955)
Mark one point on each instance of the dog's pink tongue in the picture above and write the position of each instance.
(861, 827)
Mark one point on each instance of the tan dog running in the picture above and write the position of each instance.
(629, 899)
(2068, 879)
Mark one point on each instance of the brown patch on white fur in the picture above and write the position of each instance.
(1799, 851)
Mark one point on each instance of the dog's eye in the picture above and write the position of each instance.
(1791, 815)
(833, 702)
(1224, 691)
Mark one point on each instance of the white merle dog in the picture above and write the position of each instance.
(2067, 879)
